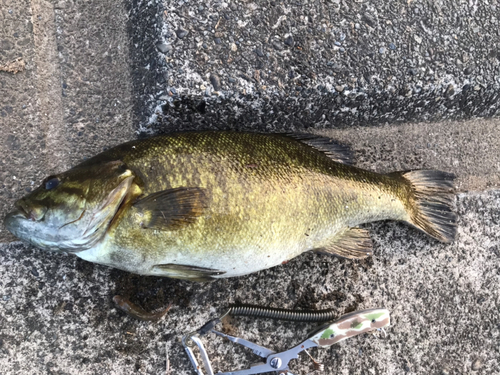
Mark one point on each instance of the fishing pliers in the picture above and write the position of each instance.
(330, 333)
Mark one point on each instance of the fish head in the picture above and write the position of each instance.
(71, 211)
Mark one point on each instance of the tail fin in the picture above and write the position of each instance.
(433, 194)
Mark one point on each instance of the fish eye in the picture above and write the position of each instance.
(51, 183)
(332, 335)
(373, 321)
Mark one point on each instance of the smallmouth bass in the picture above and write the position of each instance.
(204, 205)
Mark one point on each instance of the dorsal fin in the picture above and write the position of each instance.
(172, 208)
(333, 149)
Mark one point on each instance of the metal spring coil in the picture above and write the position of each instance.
(282, 314)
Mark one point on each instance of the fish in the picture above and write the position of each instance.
(138, 312)
(206, 205)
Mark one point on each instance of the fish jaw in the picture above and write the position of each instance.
(25, 228)
(51, 231)
(13, 222)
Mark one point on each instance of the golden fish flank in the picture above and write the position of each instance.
(218, 204)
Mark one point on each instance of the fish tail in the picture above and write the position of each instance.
(430, 209)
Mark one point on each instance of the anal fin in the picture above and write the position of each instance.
(192, 273)
(352, 243)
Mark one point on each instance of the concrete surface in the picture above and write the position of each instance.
(276, 66)
(57, 316)
(371, 74)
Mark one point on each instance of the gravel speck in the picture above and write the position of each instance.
(392, 46)
(289, 41)
(181, 33)
(382, 50)
(259, 52)
(215, 81)
(468, 71)
(477, 364)
(217, 41)
(163, 47)
(277, 45)
(339, 88)
(450, 90)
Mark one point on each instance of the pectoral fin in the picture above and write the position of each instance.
(353, 243)
(192, 273)
(172, 208)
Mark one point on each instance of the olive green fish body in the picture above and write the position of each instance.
(237, 203)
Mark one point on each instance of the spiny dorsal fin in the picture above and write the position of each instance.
(172, 208)
(333, 149)
(353, 243)
(192, 273)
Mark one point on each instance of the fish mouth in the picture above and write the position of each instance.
(22, 209)
(36, 213)
(19, 213)
(13, 219)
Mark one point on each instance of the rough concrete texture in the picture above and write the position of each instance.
(95, 72)
(469, 149)
(282, 65)
(57, 316)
